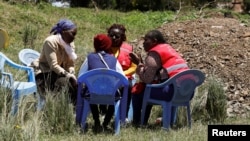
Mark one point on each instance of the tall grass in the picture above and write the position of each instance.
(58, 114)
(25, 125)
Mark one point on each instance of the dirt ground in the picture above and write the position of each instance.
(218, 46)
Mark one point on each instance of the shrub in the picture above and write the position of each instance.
(209, 103)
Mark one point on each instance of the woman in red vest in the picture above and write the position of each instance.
(121, 50)
(161, 62)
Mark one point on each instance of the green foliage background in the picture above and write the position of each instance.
(28, 24)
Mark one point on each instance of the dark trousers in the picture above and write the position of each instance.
(137, 106)
(103, 108)
(53, 82)
(156, 93)
(108, 115)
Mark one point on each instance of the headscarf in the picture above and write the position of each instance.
(63, 24)
(102, 42)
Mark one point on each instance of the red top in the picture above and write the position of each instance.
(171, 60)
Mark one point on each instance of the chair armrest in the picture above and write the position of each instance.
(29, 70)
(161, 85)
(18, 66)
(9, 83)
(156, 85)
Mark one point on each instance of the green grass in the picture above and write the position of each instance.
(20, 19)
(56, 122)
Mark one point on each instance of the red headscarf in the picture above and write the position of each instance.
(102, 43)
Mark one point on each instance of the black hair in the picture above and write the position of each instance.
(120, 27)
(157, 35)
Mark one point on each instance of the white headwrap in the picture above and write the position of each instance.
(70, 51)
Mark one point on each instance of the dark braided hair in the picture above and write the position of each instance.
(120, 27)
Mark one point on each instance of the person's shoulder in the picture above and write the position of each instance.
(52, 38)
(91, 54)
(107, 55)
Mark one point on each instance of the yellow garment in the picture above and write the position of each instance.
(131, 69)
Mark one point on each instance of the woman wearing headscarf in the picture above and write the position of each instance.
(55, 66)
(97, 59)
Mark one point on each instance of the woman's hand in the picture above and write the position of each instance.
(72, 78)
(135, 58)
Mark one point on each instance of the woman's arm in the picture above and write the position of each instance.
(147, 71)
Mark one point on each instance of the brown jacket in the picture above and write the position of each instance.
(53, 57)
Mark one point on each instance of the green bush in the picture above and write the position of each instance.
(210, 102)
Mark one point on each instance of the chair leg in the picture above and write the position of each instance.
(15, 103)
(117, 118)
(189, 116)
(85, 113)
(79, 108)
(173, 115)
(166, 115)
(41, 101)
(130, 112)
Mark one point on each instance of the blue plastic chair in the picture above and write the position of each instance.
(18, 88)
(102, 86)
(174, 92)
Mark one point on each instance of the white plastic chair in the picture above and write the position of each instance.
(26, 56)
(18, 88)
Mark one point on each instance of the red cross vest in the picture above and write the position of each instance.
(123, 57)
(170, 59)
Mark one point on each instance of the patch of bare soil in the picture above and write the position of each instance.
(220, 48)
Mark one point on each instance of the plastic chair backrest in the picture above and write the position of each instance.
(179, 91)
(5, 60)
(26, 56)
(102, 87)
(184, 85)
(102, 84)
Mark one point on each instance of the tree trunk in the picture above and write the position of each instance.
(238, 6)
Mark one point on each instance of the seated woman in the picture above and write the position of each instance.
(56, 65)
(120, 48)
(102, 44)
(162, 61)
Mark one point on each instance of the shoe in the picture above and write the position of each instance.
(107, 129)
(86, 127)
(97, 128)
(158, 120)
(136, 124)
(127, 121)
